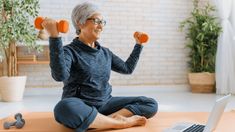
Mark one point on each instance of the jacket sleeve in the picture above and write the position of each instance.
(118, 65)
(60, 60)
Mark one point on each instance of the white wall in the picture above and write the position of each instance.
(163, 60)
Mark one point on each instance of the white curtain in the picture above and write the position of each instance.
(233, 25)
(225, 57)
(232, 17)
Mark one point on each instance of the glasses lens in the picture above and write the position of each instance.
(98, 21)
(103, 22)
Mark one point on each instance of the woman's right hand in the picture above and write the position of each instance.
(50, 26)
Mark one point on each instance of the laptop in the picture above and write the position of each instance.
(211, 124)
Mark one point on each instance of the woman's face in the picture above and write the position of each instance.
(93, 27)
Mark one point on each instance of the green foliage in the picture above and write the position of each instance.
(202, 31)
(15, 22)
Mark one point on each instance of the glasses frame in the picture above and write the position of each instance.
(97, 21)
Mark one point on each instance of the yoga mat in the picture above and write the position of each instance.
(44, 122)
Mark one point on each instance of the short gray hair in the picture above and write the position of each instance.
(82, 12)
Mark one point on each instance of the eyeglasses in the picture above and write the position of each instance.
(98, 21)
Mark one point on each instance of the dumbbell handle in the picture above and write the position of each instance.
(62, 25)
(142, 37)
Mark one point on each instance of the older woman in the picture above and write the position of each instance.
(84, 66)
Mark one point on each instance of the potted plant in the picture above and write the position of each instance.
(202, 31)
(15, 28)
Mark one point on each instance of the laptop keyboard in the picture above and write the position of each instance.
(195, 128)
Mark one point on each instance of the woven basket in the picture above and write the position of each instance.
(202, 82)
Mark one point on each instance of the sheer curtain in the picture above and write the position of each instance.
(233, 25)
(225, 57)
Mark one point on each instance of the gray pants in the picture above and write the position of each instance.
(75, 114)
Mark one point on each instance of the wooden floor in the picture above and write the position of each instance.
(44, 122)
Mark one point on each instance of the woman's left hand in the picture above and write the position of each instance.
(141, 37)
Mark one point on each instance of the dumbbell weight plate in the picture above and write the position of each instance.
(6, 125)
(18, 115)
(20, 124)
(37, 23)
(63, 26)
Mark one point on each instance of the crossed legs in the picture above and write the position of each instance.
(129, 112)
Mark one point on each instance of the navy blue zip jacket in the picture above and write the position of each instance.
(85, 71)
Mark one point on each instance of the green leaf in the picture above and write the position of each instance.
(15, 24)
(201, 31)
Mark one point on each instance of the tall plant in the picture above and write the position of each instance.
(202, 31)
(16, 27)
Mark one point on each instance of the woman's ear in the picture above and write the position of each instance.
(80, 25)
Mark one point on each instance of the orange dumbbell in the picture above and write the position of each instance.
(142, 37)
(62, 25)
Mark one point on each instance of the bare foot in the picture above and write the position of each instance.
(125, 122)
(134, 120)
(118, 122)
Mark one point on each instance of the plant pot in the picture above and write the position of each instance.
(12, 88)
(202, 82)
